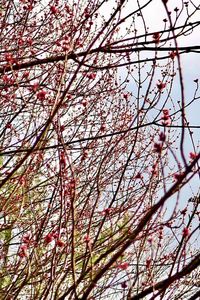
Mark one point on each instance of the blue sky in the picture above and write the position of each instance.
(190, 64)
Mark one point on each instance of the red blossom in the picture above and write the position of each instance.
(84, 155)
(172, 54)
(9, 125)
(183, 212)
(150, 240)
(193, 155)
(25, 74)
(35, 86)
(123, 266)
(41, 95)
(9, 58)
(87, 238)
(156, 37)
(60, 243)
(6, 79)
(48, 238)
(166, 118)
(62, 128)
(154, 169)
(27, 240)
(91, 76)
(106, 211)
(62, 159)
(53, 9)
(124, 285)
(138, 176)
(185, 232)
(103, 127)
(158, 147)
(178, 176)
(23, 251)
(29, 41)
(162, 136)
(20, 41)
(165, 112)
(148, 263)
(125, 96)
(55, 235)
(161, 86)
(84, 103)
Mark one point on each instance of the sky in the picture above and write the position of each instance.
(190, 63)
